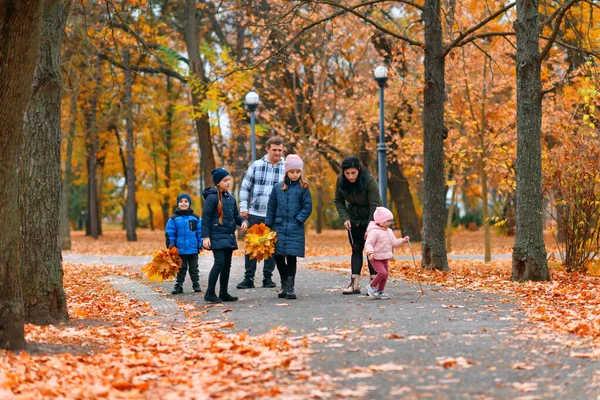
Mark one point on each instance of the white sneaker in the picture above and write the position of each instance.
(372, 292)
(383, 295)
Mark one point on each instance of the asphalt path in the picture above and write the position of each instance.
(443, 344)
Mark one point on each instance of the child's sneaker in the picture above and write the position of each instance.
(372, 292)
(383, 295)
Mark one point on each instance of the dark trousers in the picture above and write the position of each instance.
(356, 237)
(221, 268)
(250, 265)
(286, 265)
(188, 261)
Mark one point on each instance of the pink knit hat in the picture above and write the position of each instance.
(292, 161)
(382, 215)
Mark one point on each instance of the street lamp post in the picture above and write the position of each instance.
(381, 79)
(252, 102)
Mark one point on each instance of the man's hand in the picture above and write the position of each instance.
(348, 224)
(244, 214)
(244, 226)
(206, 243)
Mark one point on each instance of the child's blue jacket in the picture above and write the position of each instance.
(183, 231)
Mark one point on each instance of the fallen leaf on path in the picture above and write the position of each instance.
(450, 362)
(418, 337)
(525, 386)
(451, 306)
(282, 304)
(523, 366)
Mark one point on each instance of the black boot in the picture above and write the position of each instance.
(268, 283)
(178, 289)
(196, 287)
(284, 289)
(290, 288)
(225, 296)
(247, 283)
(211, 297)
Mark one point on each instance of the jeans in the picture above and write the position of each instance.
(382, 268)
(221, 268)
(191, 261)
(250, 265)
(356, 237)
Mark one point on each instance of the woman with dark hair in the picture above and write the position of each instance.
(356, 198)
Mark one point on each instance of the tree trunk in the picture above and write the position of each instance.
(93, 144)
(529, 253)
(151, 216)
(166, 209)
(483, 174)
(434, 204)
(41, 269)
(207, 157)
(130, 153)
(400, 192)
(449, 220)
(20, 27)
(65, 228)
(319, 221)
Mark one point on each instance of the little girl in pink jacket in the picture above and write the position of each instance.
(380, 249)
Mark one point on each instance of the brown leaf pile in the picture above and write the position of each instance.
(106, 351)
(164, 265)
(569, 303)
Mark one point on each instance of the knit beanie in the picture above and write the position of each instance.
(351, 162)
(292, 161)
(184, 196)
(218, 174)
(382, 215)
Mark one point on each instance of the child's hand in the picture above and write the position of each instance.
(244, 226)
(370, 257)
(170, 246)
(406, 239)
(206, 243)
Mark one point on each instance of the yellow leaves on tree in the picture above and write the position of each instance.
(260, 242)
(164, 265)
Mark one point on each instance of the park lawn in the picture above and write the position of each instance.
(328, 243)
(107, 350)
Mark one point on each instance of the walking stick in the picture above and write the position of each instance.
(421, 291)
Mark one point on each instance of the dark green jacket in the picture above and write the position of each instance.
(357, 207)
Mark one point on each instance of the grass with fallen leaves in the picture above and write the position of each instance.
(107, 351)
(328, 243)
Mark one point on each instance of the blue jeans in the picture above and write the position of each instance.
(250, 265)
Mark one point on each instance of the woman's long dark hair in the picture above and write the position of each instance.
(359, 186)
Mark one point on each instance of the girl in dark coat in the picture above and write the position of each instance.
(356, 198)
(219, 218)
(290, 205)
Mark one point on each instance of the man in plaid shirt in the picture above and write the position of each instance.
(256, 187)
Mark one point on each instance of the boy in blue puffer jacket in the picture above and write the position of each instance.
(183, 231)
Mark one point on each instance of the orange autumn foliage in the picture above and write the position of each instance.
(260, 242)
(164, 265)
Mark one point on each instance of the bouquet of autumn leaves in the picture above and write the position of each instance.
(260, 242)
(164, 265)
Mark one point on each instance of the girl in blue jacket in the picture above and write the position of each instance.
(220, 216)
(183, 232)
(290, 205)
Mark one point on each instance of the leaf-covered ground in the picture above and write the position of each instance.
(107, 351)
(327, 243)
(570, 303)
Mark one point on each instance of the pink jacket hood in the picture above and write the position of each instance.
(381, 242)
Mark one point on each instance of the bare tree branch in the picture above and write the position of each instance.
(150, 70)
(474, 28)
(558, 20)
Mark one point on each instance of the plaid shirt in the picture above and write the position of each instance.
(257, 184)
